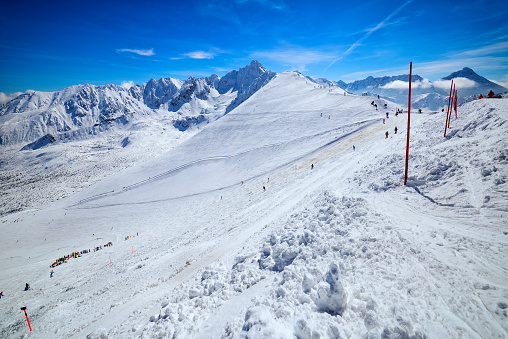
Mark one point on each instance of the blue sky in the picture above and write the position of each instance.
(54, 44)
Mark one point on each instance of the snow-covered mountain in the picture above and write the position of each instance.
(84, 110)
(425, 94)
(268, 223)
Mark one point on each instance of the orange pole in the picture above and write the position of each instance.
(28, 321)
(408, 120)
(448, 109)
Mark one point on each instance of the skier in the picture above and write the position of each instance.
(354, 148)
(51, 274)
(386, 115)
(491, 94)
(27, 287)
(321, 114)
(386, 135)
(1, 294)
(397, 113)
(378, 96)
(383, 120)
(395, 129)
(312, 166)
(480, 97)
(420, 110)
(264, 188)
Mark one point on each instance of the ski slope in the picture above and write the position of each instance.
(266, 224)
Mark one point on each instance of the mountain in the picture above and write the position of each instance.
(85, 110)
(267, 224)
(425, 94)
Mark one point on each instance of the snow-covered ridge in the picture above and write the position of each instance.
(84, 110)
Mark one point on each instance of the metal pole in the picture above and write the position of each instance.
(408, 119)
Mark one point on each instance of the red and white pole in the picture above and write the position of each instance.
(28, 321)
(408, 119)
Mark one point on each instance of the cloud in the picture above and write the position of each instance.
(142, 52)
(128, 84)
(277, 5)
(500, 47)
(295, 56)
(8, 97)
(399, 84)
(459, 83)
(200, 55)
(382, 24)
(503, 82)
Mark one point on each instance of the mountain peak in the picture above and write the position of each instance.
(468, 73)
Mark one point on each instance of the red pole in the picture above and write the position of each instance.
(28, 321)
(456, 98)
(408, 119)
(448, 109)
(451, 106)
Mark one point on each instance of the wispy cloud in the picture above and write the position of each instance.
(382, 24)
(142, 52)
(8, 97)
(276, 5)
(296, 57)
(500, 47)
(196, 55)
(503, 82)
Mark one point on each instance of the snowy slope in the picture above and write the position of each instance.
(81, 134)
(340, 250)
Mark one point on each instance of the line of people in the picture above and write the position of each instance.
(65, 258)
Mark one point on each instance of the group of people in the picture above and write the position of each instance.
(131, 236)
(490, 95)
(65, 258)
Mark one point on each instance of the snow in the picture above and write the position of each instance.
(340, 250)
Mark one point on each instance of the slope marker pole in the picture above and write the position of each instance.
(448, 109)
(451, 106)
(408, 119)
(28, 321)
(456, 98)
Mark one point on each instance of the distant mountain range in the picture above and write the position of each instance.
(425, 94)
(39, 118)
(35, 119)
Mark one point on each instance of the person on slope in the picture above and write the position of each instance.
(491, 94)
(51, 274)
(354, 148)
(27, 286)
(480, 97)
(1, 294)
(386, 135)
(383, 120)
(395, 129)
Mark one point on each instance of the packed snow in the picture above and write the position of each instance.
(267, 223)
